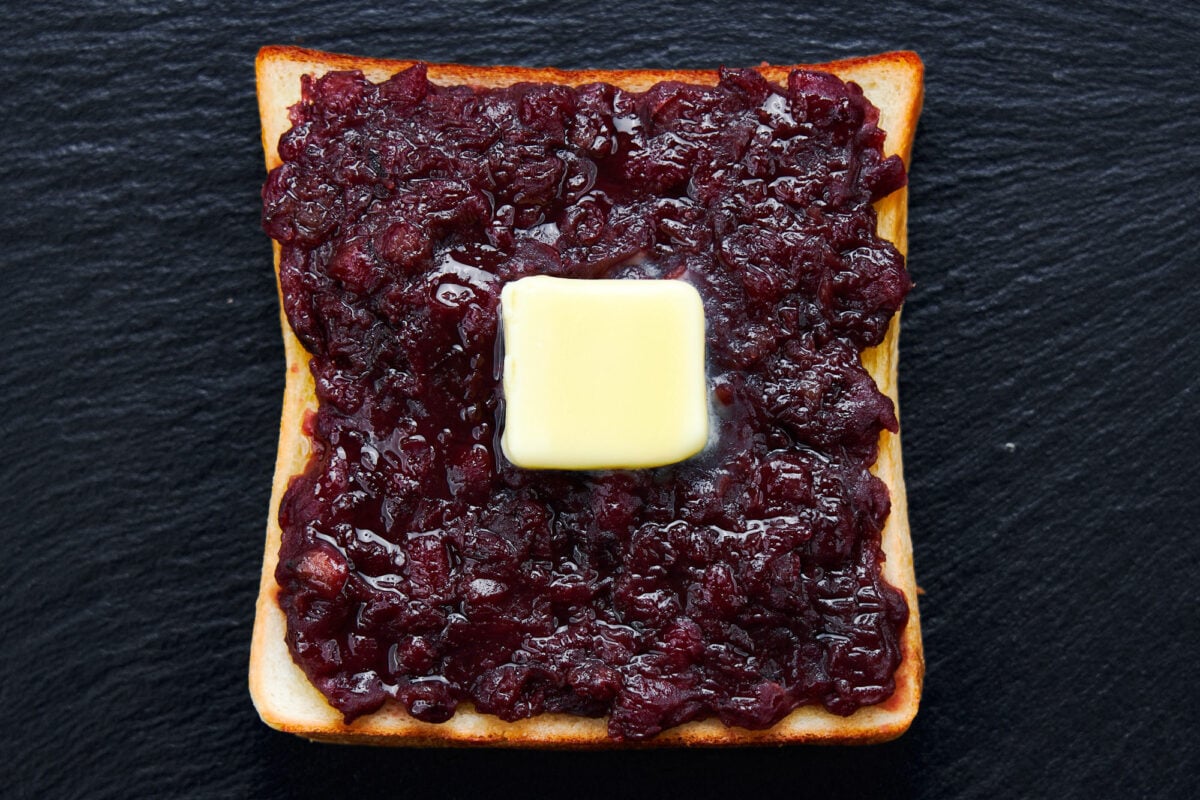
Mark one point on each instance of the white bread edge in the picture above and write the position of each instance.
(281, 692)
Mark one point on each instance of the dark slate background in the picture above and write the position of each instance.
(1049, 385)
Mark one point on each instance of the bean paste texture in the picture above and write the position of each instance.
(418, 565)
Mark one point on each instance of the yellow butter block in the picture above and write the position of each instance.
(602, 374)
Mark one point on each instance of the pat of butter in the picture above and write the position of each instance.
(602, 374)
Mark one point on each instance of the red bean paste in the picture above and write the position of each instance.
(417, 564)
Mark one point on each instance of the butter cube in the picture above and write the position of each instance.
(602, 374)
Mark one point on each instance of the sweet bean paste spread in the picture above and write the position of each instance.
(417, 564)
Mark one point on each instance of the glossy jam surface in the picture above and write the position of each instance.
(418, 565)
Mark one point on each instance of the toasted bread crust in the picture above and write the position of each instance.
(282, 693)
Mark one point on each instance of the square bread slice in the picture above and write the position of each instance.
(282, 693)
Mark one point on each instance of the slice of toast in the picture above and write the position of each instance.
(282, 693)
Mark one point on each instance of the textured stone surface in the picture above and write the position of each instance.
(1049, 383)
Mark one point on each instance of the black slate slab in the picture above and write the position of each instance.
(1050, 379)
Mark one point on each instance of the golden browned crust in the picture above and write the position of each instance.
(282, 693)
